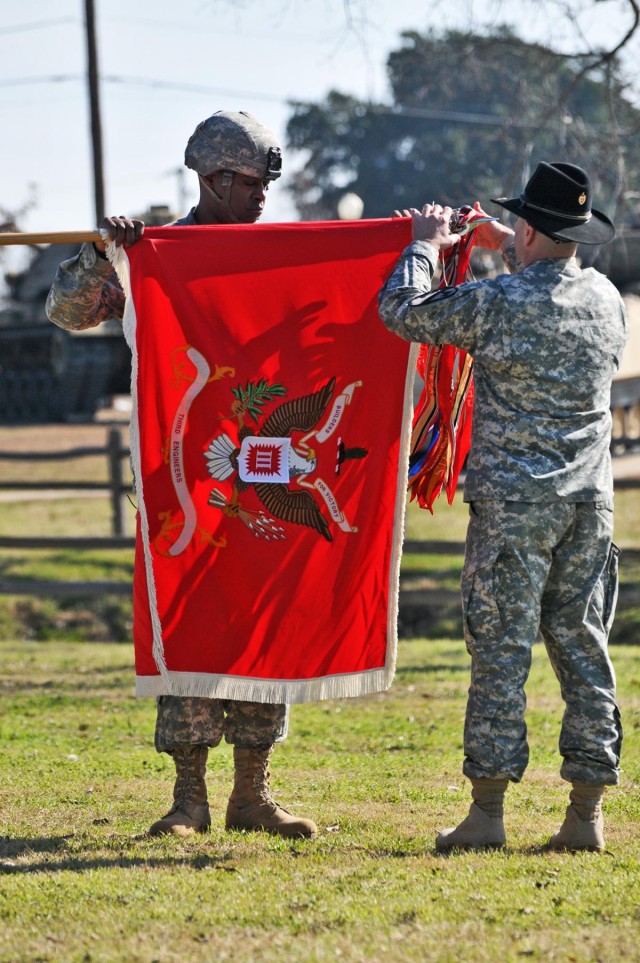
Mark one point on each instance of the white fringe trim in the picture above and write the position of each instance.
(241, 689)
(120, 261)
(400, 514)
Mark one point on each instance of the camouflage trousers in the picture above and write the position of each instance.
(545, 570)
(194, 721)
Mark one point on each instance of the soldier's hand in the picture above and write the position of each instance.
(491, 235)
(432, 224)
(122, 230)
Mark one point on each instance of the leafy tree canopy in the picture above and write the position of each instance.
(471, 117)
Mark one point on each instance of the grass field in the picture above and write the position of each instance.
(80, 782)
(80, 881)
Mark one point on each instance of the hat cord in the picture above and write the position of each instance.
(547, 210)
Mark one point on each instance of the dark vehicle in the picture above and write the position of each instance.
(47, 374)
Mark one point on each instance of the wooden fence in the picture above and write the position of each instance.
(115, 453)
(625, 408)
(625, 404)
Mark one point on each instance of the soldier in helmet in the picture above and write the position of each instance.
(236, 158)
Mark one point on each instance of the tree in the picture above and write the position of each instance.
(471, 116)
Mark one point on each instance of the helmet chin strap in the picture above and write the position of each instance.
(225, 197)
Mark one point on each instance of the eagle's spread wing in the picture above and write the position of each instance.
(300, 508)
(299, 414)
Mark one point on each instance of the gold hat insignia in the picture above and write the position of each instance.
(582, 198)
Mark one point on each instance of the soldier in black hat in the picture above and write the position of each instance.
(539, 559)
(236, 159)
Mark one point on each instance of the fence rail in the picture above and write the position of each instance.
(114, 451)
(81, 542)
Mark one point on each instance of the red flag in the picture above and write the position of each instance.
(270, 436)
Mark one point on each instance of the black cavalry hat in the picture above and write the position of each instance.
(557, 202)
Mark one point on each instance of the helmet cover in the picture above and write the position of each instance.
(234, 141)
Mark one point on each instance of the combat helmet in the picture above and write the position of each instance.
(234, 141)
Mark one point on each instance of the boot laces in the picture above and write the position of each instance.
(261, 783)
(186, 780)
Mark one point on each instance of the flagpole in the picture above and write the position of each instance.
(52, 237)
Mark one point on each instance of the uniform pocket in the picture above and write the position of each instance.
(484, 537)
(610, 587)
(481, 616)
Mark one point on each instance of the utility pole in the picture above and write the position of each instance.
(94, 108)
(182, 189)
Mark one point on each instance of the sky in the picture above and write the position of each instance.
(165, 66)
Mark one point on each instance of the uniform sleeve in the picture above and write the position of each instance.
(85, 292)
(451, 315)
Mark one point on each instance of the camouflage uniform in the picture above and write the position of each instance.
(539, 556)
(85, 292)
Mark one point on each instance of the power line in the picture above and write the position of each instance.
(27, 81)
(189, 88)
(418, 113)
(154, 84)
(36, 25)
(150, 82)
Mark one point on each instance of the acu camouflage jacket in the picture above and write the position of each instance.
(546, 343)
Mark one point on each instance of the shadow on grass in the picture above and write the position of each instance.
(76, 864)
(15, 849)
(19, 847)
(540, 849)
(10, 848)
(93, 619)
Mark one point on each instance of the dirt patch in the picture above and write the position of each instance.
(60, 437)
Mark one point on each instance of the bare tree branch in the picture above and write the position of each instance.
(606, 57)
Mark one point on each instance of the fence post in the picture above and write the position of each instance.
(114, 454)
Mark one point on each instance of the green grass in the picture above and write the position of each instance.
(80, 880)
(62, 517)
(99, 618)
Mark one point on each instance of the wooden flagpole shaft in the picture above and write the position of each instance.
(53, 237)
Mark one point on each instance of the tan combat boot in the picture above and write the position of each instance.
(190, 810)
(583, 825)
(483, 828)
(251, 805)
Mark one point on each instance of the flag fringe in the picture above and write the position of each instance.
(399, 517)
(273, 691)
(120, 262)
